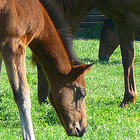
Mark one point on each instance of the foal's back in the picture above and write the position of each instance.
(19, 19)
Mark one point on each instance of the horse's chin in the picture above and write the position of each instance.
(75, 128)
(72, 126)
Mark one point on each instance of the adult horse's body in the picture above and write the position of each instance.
(126, 15)
(49, 40)
(75, 11)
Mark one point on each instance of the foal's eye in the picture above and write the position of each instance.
(81, 92)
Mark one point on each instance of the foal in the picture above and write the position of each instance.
(49, 40)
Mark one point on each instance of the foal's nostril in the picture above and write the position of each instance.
(76, 132)
(80, 133)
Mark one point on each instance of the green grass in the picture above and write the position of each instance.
(105, 89)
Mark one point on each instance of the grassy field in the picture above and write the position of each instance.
(105, 89)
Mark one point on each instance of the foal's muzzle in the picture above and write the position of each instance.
(77, 131)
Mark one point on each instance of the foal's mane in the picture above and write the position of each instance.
(62, 28)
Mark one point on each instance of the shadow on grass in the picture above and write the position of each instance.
(109, 62)
(88, 60)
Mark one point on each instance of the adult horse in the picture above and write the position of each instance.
(45, 33)
(126, 15)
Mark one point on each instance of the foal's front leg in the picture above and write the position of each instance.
(127, 49)
(43, 85)
(14, 58)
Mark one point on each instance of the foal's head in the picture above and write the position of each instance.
(68, 99)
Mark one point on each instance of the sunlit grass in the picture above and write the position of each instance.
(105, 89)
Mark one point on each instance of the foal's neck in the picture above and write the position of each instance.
(51, 52)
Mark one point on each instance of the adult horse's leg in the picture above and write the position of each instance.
(126, 36)
(14, 58)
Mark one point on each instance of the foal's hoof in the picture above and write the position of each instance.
(127, 100)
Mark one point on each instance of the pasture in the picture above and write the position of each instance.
(105, 91)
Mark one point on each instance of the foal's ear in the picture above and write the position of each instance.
(80, 69)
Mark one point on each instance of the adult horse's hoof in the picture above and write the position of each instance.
(129, 98)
